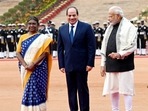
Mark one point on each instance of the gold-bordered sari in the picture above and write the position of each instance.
(35, 83)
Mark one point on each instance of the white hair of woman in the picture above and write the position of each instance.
(117, 10)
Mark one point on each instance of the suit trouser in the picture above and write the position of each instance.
(77, 82)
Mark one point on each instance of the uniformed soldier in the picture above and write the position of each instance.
(94, 29)
(42, 28)
(93, 26)
(14, 29)
(55, 37)
(105, 25)
(10, 37)
(5, 43)
(145, 28)
(142, 37)
(49, 29)
(98, 31)
(20, 31)
(147, 41)
(63, 23)
(2, 42)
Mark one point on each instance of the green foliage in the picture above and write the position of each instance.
(144, 14)
(24, 9)
(12, 10)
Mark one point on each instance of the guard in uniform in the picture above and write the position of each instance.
(98, 31)
(142, 37)
(5, 40)
(20, 31)
(147, 41)
(14, 29)
(105, 25)
(63, 23)
(93, 26)
(54, 43)
(2, 42)
(42, 28)
(10, 37)
(49, 29)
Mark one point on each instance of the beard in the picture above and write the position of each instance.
(114, 22)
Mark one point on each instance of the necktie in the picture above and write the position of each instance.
(71, 34)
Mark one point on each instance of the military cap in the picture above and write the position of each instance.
(41, 24)
(96, 22)
(23, 24)
(9, 25)
(62, 23)
(138, 22)
(105, 23)
(49, 22)
(52, 23)
(13, 24)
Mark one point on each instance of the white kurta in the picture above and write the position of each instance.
(126, 39)
(122, 82)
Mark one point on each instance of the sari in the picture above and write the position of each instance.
(35, 83)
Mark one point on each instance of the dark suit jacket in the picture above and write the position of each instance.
(77, 55)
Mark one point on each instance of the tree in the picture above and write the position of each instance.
(144, 13)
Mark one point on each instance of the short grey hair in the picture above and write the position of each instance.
(117, 10)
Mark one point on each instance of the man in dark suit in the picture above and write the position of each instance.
(76, 55)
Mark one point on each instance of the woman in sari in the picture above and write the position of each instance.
(34, 65)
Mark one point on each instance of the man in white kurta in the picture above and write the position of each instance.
(117, 58)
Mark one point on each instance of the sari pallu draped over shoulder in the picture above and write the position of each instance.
(35, 83)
